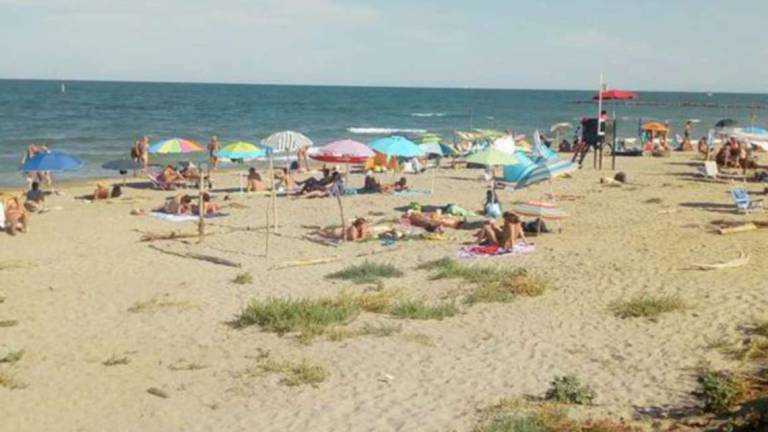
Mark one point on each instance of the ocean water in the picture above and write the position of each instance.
(99, 121)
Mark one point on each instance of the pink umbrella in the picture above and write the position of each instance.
(344, 151)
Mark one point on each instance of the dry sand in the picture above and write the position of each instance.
(82, 267)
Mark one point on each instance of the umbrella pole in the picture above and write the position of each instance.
(273, 198)
(266, 226)
(341, 212)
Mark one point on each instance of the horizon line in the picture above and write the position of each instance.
(405, 87)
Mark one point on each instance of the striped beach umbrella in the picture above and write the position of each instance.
(540, 210)
(546, 171)
(241, 150)
(175, 146)
(287, 141)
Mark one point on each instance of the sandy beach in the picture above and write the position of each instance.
(82, 289)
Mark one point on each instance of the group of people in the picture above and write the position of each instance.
(734, 154)
(370, 184)
(188, 205)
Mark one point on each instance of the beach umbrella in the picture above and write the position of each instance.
(51, 161)
(726, 123)
(616, 95)
(655, 127)
(560, 129)
(287, 141)
(505, 144)
(513, 173)
(241, 150)
(493, 157)
(175, 146)
(540, 210)
(122, 165)
(343, 151)
(546, 171)
(396, 146)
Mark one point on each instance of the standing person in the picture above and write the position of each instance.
(213, 148)
(144, 152)
(687, 146)
(32, 150)
(135, 151)
(301, 156)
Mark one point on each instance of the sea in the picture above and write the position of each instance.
(99, 121)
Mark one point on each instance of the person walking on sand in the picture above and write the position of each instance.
(213, 148)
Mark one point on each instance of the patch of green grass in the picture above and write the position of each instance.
(646, 306)
(295, 374)
(116, 360)
(569, 389)
(12, 356)
(367, 272)
(492, 285)
(376, 301)
(159, 302)
(309, 316)
(10, 381)
(243, 279)
(718, 391)
(412, 309)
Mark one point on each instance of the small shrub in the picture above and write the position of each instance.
(500, 418)
(717, 391)
(308, 316)
(115, 360)
(646, 306)
(367, 272)
(377, 301)
(568, 389)
(243, 279)
(419, 310)
(12, 356)
(296, 374)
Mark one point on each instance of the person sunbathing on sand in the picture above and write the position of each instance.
(432, 222)
(398, 186)
(505, 236)
(169, 175)
(370, 184)
(254, 181)
(359, 230)
(35, 199)
(286, 181)
(15, 215)
(209, 207)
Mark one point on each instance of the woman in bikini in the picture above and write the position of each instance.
(15, 215)
(254, 181)
(504, 237)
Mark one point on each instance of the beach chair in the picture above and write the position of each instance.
(744, 203)
(162, 185)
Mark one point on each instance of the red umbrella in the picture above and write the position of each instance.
(616, 95)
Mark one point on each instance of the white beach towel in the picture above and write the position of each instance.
(182, 218)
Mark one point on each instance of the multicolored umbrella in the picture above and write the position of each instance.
(51, 161)
(287, 141)
(493, 157)
(546, 171)
(396, 146)
(242, 150)
(343, 151)
(540, 210)
(175, 146)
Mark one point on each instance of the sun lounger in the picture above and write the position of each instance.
(162, 185)
(745, 203)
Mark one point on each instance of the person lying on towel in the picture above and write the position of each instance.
(505, 236)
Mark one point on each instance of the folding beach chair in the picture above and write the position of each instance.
(744, 203)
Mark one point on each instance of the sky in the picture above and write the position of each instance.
(671, 45)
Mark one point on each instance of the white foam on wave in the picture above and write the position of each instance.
(428, 114)
(383, 131)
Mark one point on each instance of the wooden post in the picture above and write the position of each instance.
(201, 208)
(266, 226)
(341, 211)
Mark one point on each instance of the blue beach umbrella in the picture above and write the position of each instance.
(514, 173)
(396, 146)
(546, 171)
(52, 161)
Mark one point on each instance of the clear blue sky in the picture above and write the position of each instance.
(639, 44)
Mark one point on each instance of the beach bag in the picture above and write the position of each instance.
(533, 227)
(454, 210)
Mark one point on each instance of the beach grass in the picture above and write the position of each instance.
(116, 360)
(718, 391)
(367, 272)
(570, 390)
(420, 310)
(295, 373)
(243, 279)
(377, 301)
(159, 302)
(492, 285)
(308, 316)
(12, 357)
(647, 306)
(9, 381)
(186, 366)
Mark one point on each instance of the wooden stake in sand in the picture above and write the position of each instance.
(307, 262)
(742, 260)
(201, 257)
(749, 226)
(337, 190)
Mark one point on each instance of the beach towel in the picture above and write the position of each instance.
(490, 251)
(410, 193)
(182, 218)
